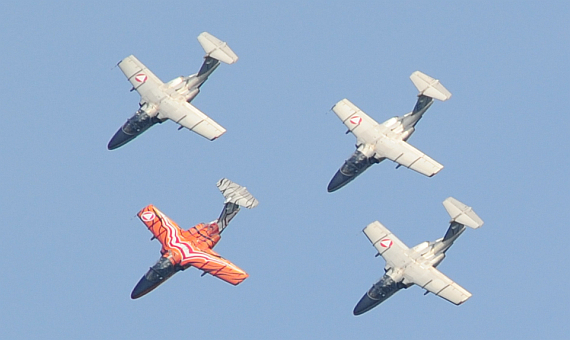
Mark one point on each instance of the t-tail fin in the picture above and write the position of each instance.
(217, 49)
(461, 213)
(236, 196)
(429, 86)
(235, 193)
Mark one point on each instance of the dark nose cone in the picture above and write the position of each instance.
(144, 287)
(338, 181)
(365, 304)
(119, 139)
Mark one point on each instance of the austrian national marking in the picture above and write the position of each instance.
(356, 119)
(386, 243)
(147, 216)
(187, 253)
(141, 77)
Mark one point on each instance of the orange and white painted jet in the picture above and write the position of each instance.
(193, 247)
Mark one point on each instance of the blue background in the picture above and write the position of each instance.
(72, 248)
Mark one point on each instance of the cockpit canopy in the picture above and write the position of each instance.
(357, 163)
(138, 123)
(162, 270)
(384, 288)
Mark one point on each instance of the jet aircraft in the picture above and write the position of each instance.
(193, 247)
(376, 142)
(160, 101)
(406, 267)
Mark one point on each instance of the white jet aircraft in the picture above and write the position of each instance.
(406, 267)
(376, 142)
(160, 101)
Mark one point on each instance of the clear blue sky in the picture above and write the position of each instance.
(73, 249)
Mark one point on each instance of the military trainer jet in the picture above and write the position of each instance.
(406, 267)
(193, 247)
(376, 142)
(160, 101)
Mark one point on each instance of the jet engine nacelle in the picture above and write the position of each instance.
(390, 122)
(406, 134)
(174, 83)
(191, 94)
(421, 246)
(437, 260)
(193, 81)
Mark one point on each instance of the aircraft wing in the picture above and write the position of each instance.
(405, 154)
(162, 228)
(394, 251)
(169, 235)
(143, 80)
(188, 116)
(436, 282)
(357, 122)
(212, 263)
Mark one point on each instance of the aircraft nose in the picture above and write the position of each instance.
(144, 287)
(119, 139)
(338, 181)
(365, 304)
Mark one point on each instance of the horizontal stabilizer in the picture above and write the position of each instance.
(462, 213)
(216, 48)
(236, 194)
(430, 87)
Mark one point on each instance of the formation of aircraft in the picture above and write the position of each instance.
(376, 142)
(408, 266)
(160, 101)
(193, 247)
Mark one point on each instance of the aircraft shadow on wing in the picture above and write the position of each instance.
(406, 267)
(376, 142)
(160, 101)
(182, 249)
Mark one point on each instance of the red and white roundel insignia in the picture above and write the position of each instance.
(355, 119)
(147, 216)
(141, 77)
(386, 243)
